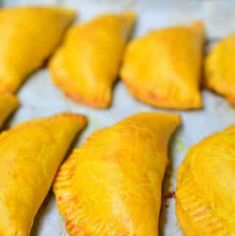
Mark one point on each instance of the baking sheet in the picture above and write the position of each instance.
(39, 97)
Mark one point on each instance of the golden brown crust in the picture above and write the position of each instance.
(31, 153)
(108, 170)
(204, 194)
(8, 104)
(219, 69)
(25, 41)
(150, 97)
(86, 65)
(163, 67)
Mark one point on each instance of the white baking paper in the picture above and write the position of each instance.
(39, 97)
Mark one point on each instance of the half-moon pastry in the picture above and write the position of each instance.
(163, 67)
(220, 70)
(30, 155)
(8, 103)
(28, 36)
(205, 202)
(87, 64)
(111, 185)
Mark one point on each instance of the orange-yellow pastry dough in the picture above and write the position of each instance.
(163, 67)
(86, 65)
(28, 36)
(220, 70)
(111, 185)
(205, 200)
(8, 103)
(30, 155)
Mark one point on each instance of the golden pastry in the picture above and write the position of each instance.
(30, 156)
(28, 35)
(112, 184)
(219, 69)
(163, 67)
(86, 65)
(8, 103)
(205, 201)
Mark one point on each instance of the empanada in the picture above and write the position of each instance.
(28, 36)
(30, 155)
(163, 67)
(205, 201)
(86, 65)
(112, 184)
(220, 70)
(8, 103)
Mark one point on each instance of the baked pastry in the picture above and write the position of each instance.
(111, 185)
(8, 104)
(205, 202)
(30, 154)
(28, 36)
(219, 69)
(86, 65)
(163, 67)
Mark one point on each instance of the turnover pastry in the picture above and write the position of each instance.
(28, 35)
(111, 185)
(163, 67)
(205, 201)
(8, 103)
(86, 65)
(220, 70)
(30, 156)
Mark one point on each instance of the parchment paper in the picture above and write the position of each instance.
(39, 97)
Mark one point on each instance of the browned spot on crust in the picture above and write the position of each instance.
(169, 195)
